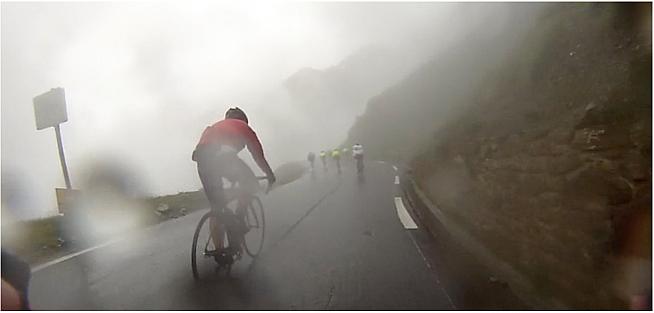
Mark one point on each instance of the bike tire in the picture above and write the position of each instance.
(196, 235)
(256, 209)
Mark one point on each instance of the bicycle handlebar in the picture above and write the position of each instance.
(264, 178)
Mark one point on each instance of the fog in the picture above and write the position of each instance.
(143, 80)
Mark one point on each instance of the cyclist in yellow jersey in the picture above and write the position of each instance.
(323, 158)
(336, 155)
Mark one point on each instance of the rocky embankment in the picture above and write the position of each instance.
(546, 170)
(548, 164)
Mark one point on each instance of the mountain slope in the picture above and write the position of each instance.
(335, 95)
(541, 150)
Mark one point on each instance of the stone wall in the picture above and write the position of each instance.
(555, 153)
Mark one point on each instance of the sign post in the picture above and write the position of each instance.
(50, 111)
(62, 158)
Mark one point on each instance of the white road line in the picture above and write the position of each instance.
(397, 180)
(404, 216)
(72, 255)
(395, 168)
(432, 271)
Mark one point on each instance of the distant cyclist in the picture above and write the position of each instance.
(216, 156)
(357, 154)
(336, 155)
(311, 157)
(323, 158)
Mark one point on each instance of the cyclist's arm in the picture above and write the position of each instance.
(255, 148)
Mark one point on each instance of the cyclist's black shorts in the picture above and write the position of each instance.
(213, 166)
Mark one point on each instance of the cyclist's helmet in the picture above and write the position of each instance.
(236, 113)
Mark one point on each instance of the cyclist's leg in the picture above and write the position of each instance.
(248, 184)
(213, 188)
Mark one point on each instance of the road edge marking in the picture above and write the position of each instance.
(404, 215)
(72, 255)
(432, 270)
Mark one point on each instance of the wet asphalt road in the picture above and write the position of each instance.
(332, 243)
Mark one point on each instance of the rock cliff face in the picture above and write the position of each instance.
(551, 154)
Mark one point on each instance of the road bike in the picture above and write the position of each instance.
(207, 255)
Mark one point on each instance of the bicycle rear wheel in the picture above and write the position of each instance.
(256, 223)
(202, 259)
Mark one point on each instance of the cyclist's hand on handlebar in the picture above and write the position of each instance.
(271, 180)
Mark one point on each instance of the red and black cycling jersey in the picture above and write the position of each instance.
(236, 134)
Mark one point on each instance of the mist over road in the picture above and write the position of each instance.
(332, 242)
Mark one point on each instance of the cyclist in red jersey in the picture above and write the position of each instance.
(216, 157)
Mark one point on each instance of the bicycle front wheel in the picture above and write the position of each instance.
(256, 223)
(203, 250)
